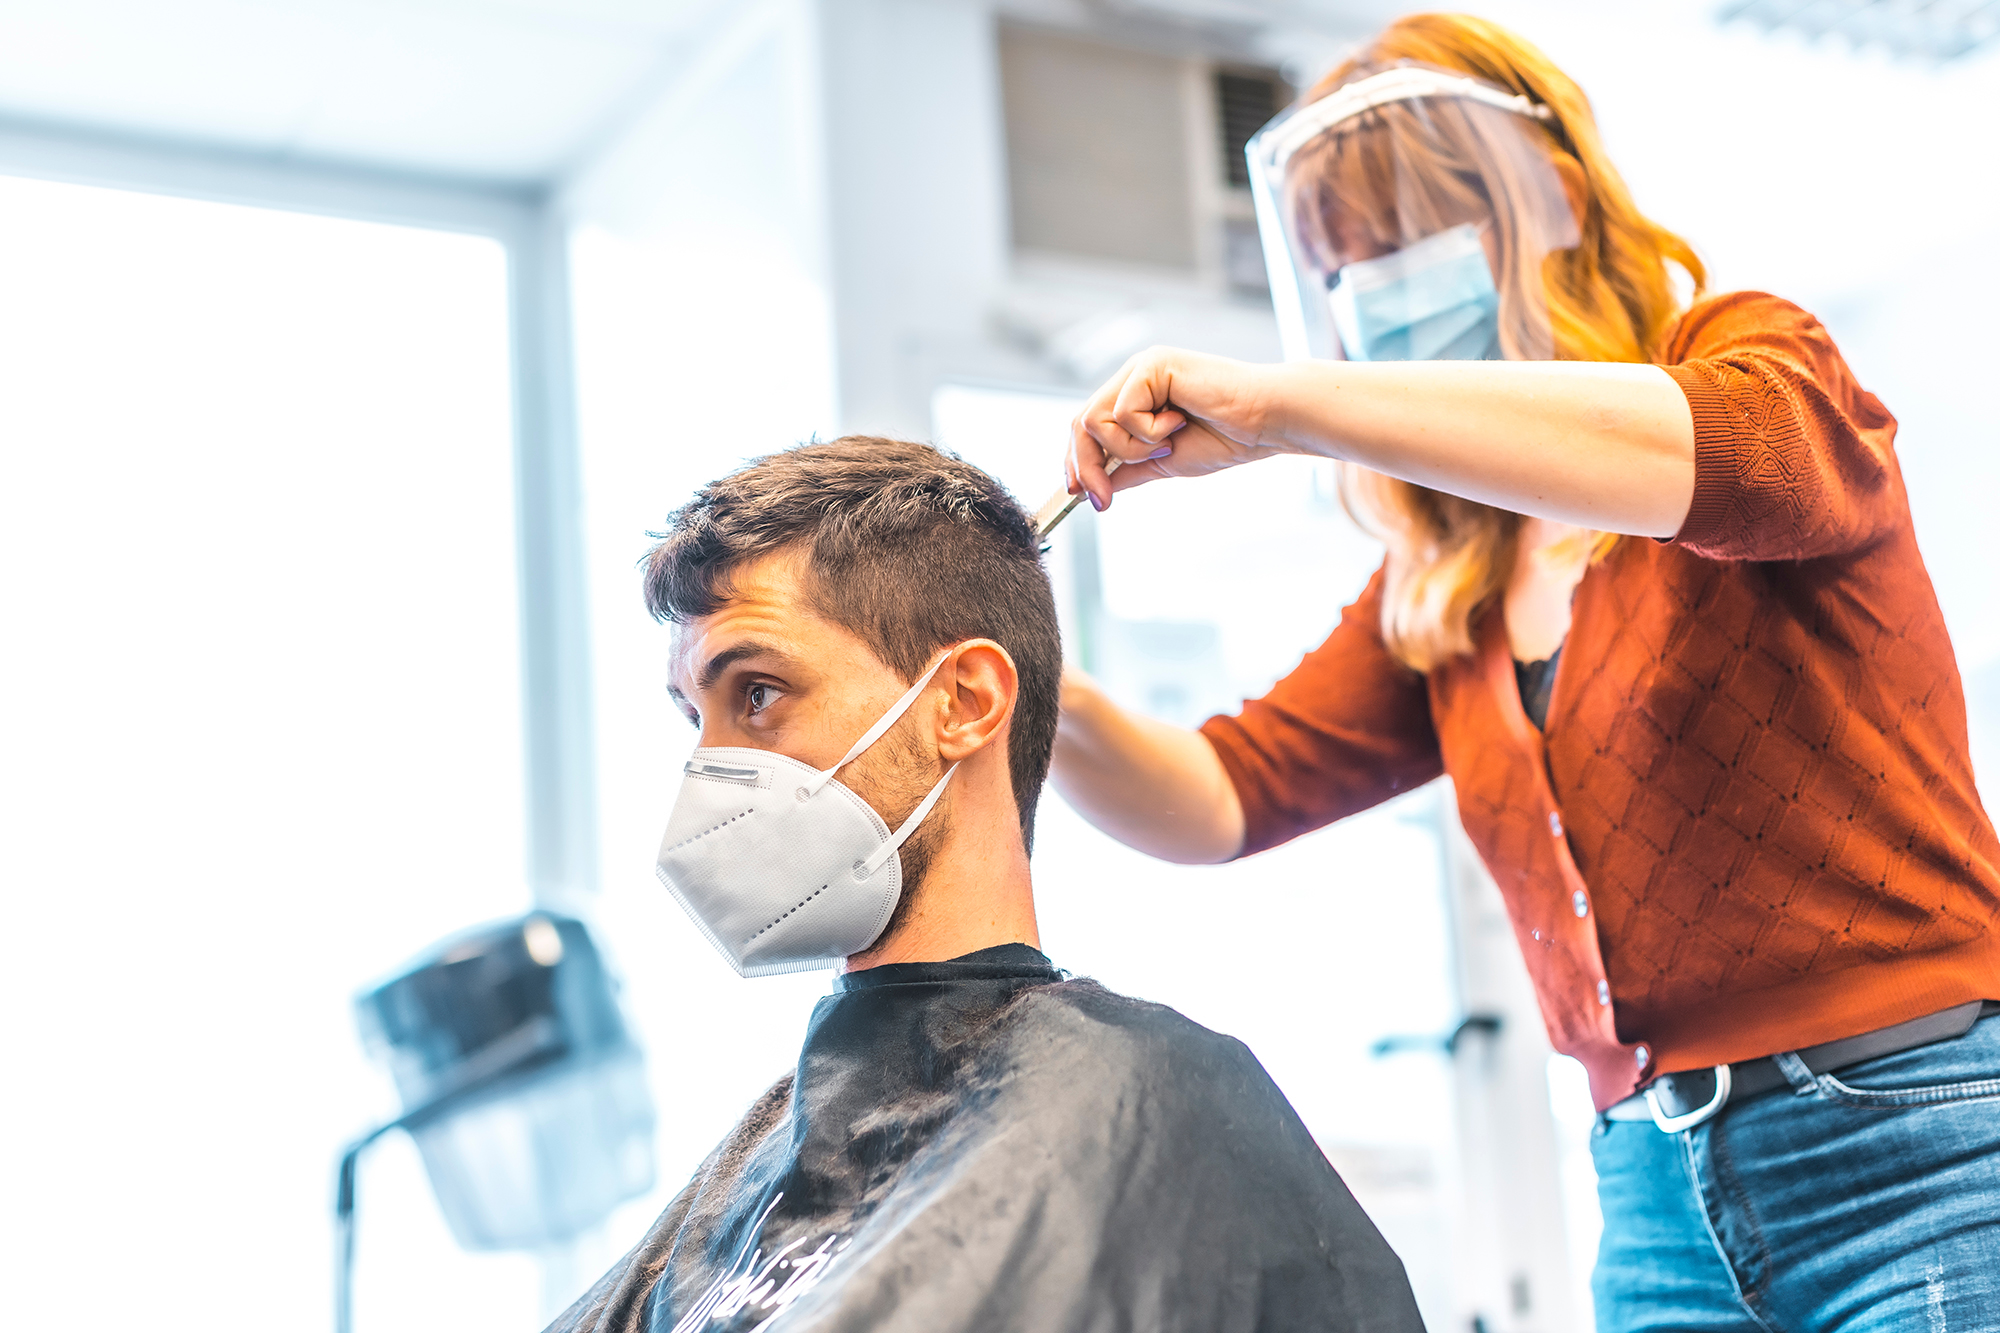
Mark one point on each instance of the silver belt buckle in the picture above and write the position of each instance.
(1674, 1124)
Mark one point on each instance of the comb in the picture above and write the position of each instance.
(1057, 508)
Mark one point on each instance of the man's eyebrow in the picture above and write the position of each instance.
(733, 654)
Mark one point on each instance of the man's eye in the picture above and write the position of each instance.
(760, 697)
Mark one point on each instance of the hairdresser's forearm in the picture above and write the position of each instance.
(1600, 445)
(1154, 787)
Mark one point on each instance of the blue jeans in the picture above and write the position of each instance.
(1868, 1201)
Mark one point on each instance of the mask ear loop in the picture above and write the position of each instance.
(867, 869)
(876, 732)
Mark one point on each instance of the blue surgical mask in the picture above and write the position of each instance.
(1431, 301)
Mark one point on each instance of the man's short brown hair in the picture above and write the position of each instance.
(908, 547)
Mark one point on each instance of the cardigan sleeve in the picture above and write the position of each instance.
(1350, 727)
(1793, 459)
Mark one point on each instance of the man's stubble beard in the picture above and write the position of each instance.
(917, 855)
(894, 793)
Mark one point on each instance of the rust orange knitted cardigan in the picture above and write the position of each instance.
(1751, 825)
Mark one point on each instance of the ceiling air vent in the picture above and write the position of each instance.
(1134, 157)
(1920, 29)
(1244, 104)
(1097, 156)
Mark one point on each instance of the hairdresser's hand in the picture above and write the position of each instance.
(1170, 413)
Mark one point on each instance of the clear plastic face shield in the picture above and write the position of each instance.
(1407, 216)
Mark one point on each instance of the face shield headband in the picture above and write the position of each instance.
(1406, 215)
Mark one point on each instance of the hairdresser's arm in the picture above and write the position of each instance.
(1601, 445)
(1152, 786)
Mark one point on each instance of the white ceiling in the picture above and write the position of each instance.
(518, 91)
(504, 91)
(497, 90)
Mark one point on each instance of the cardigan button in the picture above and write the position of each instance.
(1555, 824)
(1580, 903)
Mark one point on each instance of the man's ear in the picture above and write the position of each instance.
(982, 682)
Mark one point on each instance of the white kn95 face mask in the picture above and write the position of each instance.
(783, 868)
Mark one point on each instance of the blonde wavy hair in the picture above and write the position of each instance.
(1608, 296)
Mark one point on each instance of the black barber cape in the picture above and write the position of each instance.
(981, 1144)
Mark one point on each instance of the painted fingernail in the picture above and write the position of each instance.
(1160, 452)
(1096, 504)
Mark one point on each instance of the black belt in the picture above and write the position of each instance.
(1681, 1101)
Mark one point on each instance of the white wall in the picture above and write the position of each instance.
(704, 336)
(917, 206)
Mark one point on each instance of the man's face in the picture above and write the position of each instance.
(766, 672)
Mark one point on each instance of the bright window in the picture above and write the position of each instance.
(260, 719)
